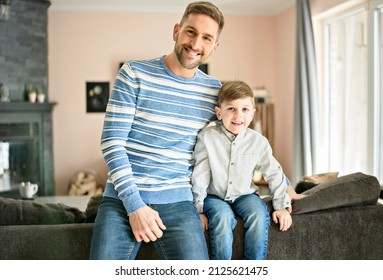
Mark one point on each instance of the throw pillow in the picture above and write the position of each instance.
(308, 182)
(92, 208)
(26, 212)
(320, 178)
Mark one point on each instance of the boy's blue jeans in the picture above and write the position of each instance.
(183, 238)
(221, 217)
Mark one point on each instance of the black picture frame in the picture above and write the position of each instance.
(97, 95)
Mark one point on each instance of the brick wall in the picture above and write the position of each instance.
(24, 47)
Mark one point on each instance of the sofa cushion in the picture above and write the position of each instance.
(92, 208)
(348, 190)
(27, 212)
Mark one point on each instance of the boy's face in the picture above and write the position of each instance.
(236, 115)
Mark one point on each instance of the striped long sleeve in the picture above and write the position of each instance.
(150, 129)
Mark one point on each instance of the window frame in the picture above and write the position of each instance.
(374, 81)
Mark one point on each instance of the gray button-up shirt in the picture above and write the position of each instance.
(225, 164)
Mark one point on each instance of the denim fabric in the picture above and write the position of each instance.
(221, 216)
(183, 238)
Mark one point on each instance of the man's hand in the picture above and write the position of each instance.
(283, 217)
(146, 224)
(204, 221)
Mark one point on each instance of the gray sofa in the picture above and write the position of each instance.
(338, 220)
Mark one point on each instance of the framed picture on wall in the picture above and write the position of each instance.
(97, 95)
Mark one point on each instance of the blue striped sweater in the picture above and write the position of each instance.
(150, 129)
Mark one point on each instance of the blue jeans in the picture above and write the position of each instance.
(183, 238)
(221, 216)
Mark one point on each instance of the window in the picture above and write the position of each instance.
(377, 82)
(351, 90)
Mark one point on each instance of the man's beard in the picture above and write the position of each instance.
(183, 62)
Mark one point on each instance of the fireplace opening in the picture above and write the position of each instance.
(19, 154)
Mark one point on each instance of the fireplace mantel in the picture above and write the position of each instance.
(25, 107)
(31, 123)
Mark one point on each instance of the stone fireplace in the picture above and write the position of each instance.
(26, 129)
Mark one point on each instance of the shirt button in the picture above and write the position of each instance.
(230, 182)
(232, 163)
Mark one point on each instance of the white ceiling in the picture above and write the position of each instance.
(249, 7)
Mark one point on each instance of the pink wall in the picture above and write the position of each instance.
(285, 34)
(88, 46)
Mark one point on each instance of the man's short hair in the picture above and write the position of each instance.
(205, 8)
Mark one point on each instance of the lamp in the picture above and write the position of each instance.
(5, 9)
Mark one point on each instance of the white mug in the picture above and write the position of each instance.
(28, 190)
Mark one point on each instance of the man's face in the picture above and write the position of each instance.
(195, 40)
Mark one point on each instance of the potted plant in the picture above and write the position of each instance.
(31, 93)
(40, 95)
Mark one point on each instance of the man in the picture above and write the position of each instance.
(155, 111)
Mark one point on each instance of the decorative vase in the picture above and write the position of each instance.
(40, 97)
(4, 93)
(32, 96)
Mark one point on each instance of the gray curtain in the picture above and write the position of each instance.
(306, 96)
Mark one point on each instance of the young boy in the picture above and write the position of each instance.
(226, 155)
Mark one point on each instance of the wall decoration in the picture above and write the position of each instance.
(97, 95)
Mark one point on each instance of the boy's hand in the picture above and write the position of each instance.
(283, 217)
(204, 221)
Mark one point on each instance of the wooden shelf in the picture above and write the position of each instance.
(264, 119)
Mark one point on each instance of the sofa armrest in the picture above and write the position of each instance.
(350, 190)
